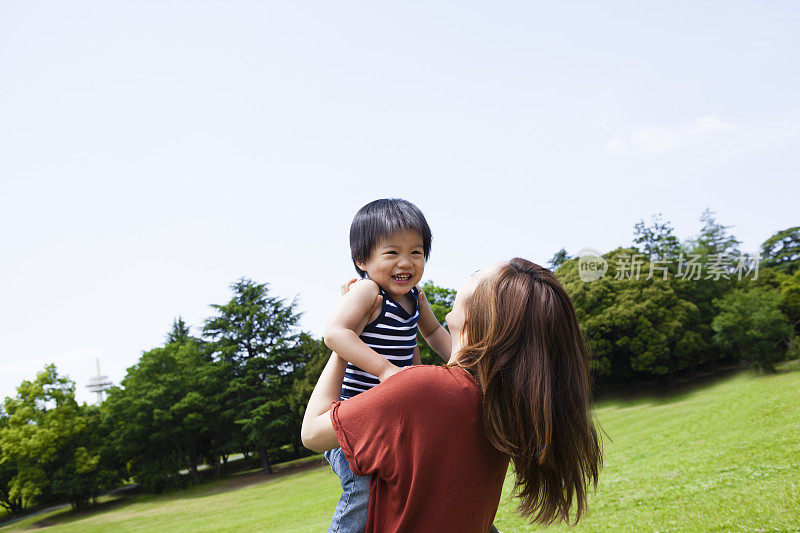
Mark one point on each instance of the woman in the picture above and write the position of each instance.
(437, 440)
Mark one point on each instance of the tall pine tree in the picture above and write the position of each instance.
(254, 338)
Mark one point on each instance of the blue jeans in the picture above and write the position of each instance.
(351, 511)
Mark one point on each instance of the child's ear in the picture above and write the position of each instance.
(362, 265)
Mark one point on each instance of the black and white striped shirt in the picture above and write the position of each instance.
(393, 335)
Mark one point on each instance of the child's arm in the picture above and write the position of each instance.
(434, 334)
(341, 335)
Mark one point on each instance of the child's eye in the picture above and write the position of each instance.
(416, 252)
(391, 253)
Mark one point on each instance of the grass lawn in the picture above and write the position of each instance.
(723, 457)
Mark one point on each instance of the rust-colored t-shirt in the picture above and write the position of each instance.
(420, 436)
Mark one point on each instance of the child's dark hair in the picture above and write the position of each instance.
(380, 219)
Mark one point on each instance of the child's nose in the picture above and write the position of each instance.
(405, 261)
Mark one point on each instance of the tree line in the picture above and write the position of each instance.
(241, 386)
(732, 308)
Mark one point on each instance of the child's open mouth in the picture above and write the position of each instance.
(401, 277)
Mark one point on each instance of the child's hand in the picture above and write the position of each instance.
(422, 298)
(391, 371)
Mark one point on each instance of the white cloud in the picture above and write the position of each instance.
(656, 140)
(710, 123)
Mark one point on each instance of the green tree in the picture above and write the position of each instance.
(8, 472)
(164, 418)
(714, 248)
(180, 332)
(714, 238)
(47, 442)
(43, 413)
(751, 324)
(558, 259)
(441, 300)
(782, 250)
(254, 337)
(89, 465)
(656, 238)
(785, 285)
(790, 297)
(634, 327)
(14, 505)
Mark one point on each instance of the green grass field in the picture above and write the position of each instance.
(718, 458)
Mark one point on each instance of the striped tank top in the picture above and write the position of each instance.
(393, 335)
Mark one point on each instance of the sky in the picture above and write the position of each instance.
(152, 153)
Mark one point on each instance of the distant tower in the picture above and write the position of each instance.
(99, 384)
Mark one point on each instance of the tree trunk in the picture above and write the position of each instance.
(217, 466)
(265, 466)
(13, 506)
(673, 366)
(191, 463)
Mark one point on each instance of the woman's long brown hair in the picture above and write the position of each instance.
(523, 344)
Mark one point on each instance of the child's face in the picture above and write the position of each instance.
(397, 263)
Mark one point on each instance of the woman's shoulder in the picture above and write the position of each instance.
(433, 379)
(439, 372)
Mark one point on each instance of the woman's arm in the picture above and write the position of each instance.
(434, 334)
(317, 431)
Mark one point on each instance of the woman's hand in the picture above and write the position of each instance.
(346, 286)
(375, 305)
